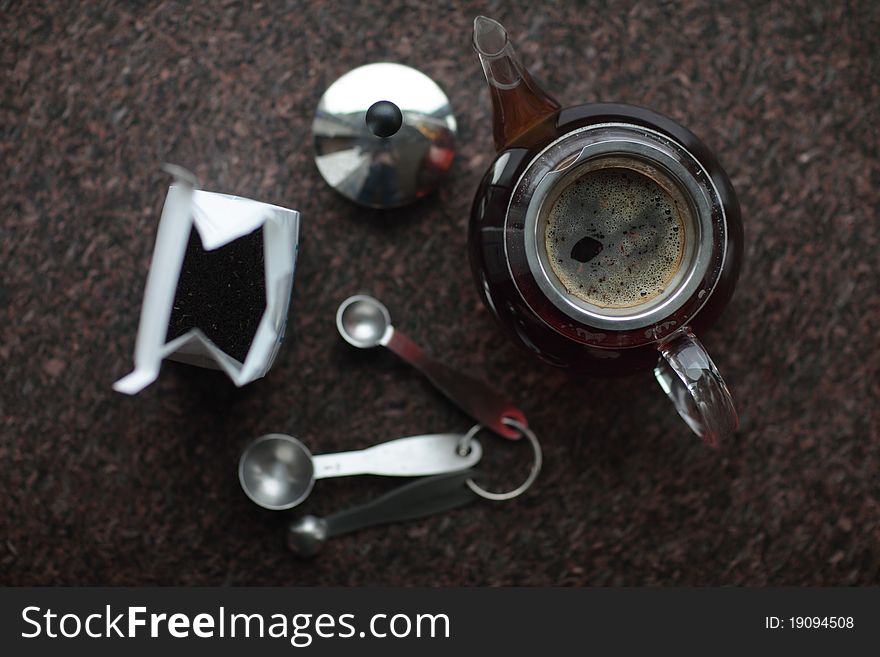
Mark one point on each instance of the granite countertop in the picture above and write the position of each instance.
(99, 488)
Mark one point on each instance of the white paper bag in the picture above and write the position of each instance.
(219, 219)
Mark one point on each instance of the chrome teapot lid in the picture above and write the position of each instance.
(384, 135)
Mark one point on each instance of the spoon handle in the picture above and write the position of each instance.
(476, 398)
(414, 456)
(417, 499)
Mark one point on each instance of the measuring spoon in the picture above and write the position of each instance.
(278, 472)
(420, 498)
(365, 323)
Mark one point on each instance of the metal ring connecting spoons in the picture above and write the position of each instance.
(278, 472)
(365, 323)
(538, 459)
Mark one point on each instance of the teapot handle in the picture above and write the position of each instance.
(690, 379)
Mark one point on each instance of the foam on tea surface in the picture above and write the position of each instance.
(615, 238)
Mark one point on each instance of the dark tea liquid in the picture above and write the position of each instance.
(515, 107)
(535, 332)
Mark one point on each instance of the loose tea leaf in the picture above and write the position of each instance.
(222, 292)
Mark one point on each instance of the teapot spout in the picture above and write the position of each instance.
(517, 102)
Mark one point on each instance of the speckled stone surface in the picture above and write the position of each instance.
(99, 488)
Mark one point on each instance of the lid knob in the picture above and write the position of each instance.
(384, 118)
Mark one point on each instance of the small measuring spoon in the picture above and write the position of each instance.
(420, 498)
(278, 472)
(365, 323)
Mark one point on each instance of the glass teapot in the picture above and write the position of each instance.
(604, 237)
